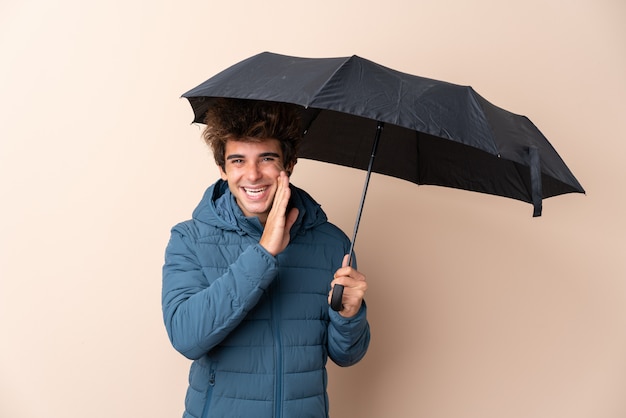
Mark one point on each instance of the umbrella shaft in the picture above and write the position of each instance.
(379, 129)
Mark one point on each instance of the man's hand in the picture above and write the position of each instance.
(354, 290)
(276, 232)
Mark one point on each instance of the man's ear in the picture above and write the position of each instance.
(290, 166)
(222, 173)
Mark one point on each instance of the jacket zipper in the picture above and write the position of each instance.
(278, 358)
(209, 394)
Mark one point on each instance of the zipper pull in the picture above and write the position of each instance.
(212, 378)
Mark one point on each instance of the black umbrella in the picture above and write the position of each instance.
(418, 129)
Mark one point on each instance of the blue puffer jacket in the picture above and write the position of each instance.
(258, 327)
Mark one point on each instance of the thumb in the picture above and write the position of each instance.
(346, 260)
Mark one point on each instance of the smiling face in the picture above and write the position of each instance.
(251, 170)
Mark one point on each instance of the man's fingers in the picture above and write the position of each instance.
(276, 231)
(346, 260)
(348, 272)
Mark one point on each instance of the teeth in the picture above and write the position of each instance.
(254, 191)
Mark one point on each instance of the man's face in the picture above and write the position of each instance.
(251, 170)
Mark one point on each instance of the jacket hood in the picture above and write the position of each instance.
(219, 209)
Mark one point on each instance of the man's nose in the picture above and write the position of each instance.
(253, 172)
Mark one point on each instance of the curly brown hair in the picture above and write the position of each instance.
(252, 120)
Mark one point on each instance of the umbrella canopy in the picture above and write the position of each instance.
(435, 133)
(419, 129)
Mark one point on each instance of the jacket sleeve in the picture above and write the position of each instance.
(198, 316)
(348, 338)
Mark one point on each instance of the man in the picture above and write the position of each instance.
(247, 281)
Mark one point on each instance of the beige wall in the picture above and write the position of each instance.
(477, 309)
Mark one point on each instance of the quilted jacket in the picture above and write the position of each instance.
(257, 327)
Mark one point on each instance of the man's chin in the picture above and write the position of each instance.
(260, 211)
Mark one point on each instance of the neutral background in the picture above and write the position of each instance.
(476, 308)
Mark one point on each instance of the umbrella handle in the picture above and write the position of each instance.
(337, 298)
(337, 294)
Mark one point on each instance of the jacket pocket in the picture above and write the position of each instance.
(209, 394)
